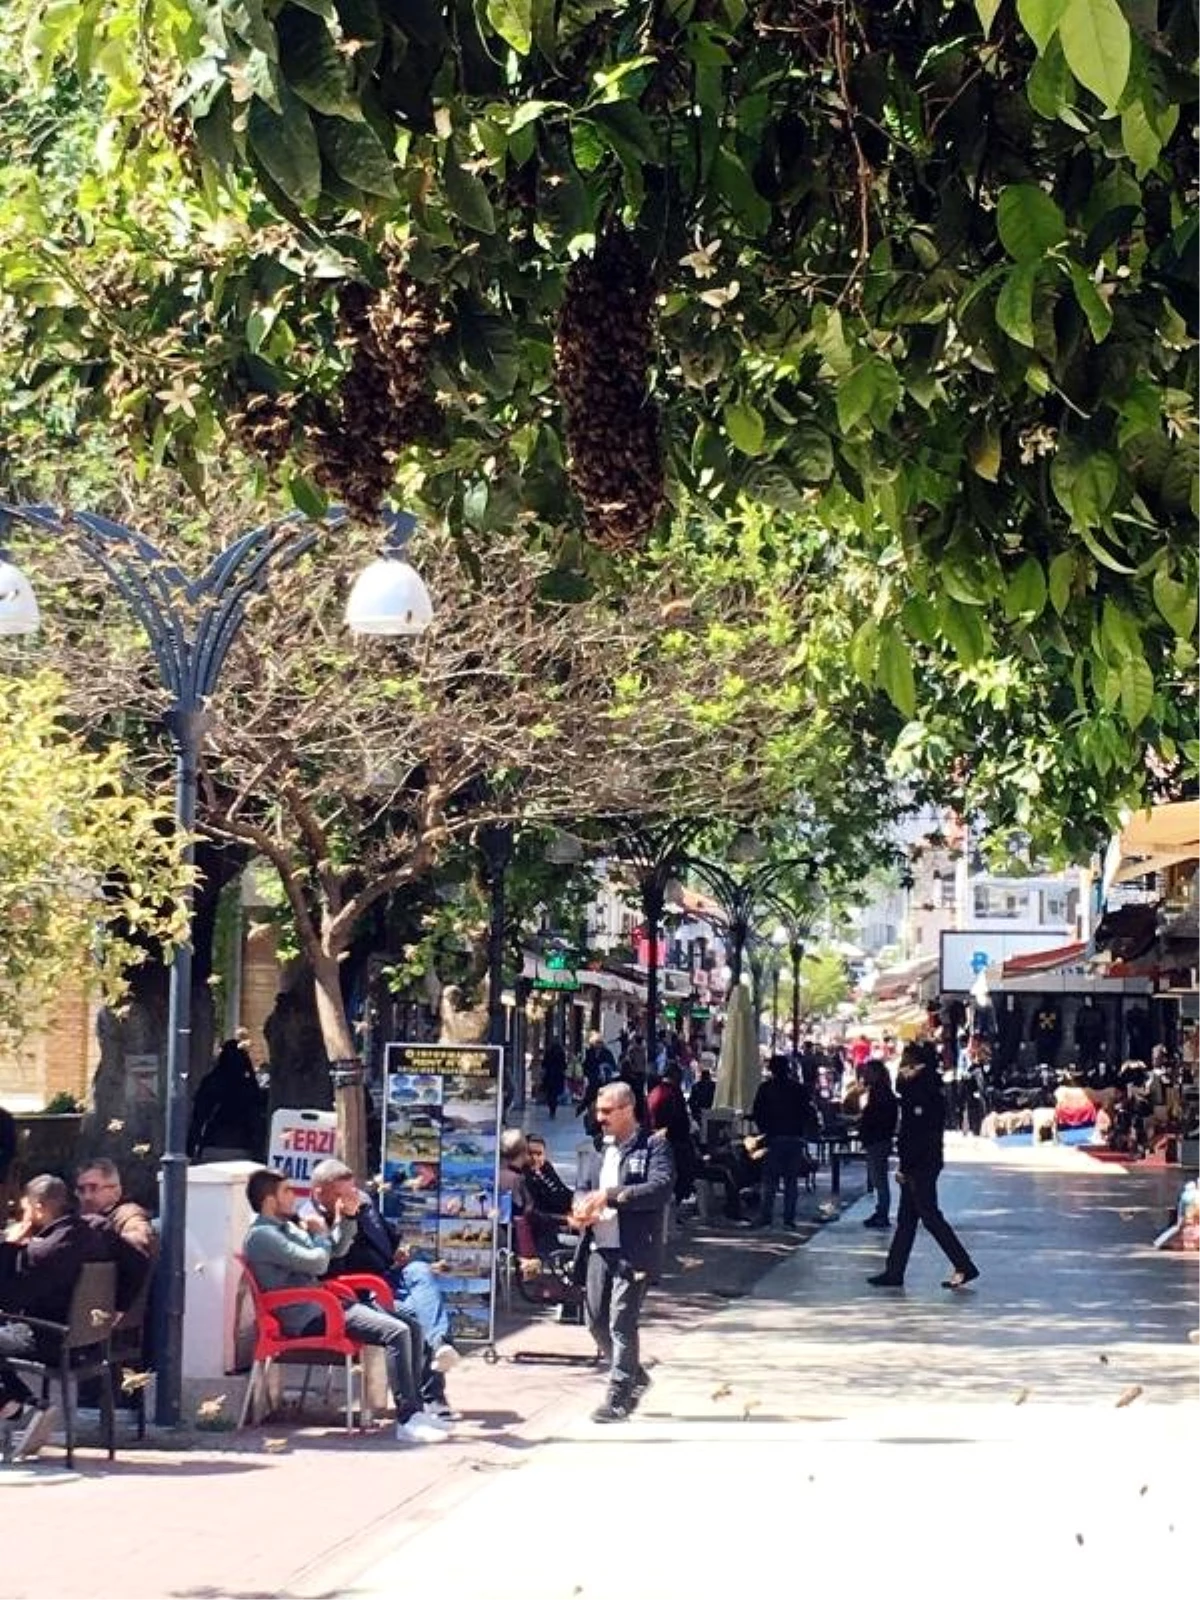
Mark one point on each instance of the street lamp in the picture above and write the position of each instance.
(191, 624)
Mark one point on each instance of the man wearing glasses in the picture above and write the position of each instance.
(125, 1224)
(621, 1200)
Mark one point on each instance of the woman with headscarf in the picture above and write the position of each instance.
(229, 1115)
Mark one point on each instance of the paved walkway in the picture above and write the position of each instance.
(823, 1432)
(810, 1433)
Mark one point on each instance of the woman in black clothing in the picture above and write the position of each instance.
(922, 1114)
(876, 1130)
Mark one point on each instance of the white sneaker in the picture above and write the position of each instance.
(444, 1358)
(434, 1419)
(417, 1431)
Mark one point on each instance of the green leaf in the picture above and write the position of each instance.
(1091, 302)
(307, 497)
(986, 11)
(963, 627)
(466, 193)
(855, 394)
(810, 452)
(1118, 634)
(1096, 42)
(831, 341)
(287, 147)
(313, 66)
(1137, 690)
(354, 152)
(1025, 597)
(1062, 576)
(513, 21)
(626, 130)
(895, 673)
(1140, 138)
(1050, 88)
(736, 185)
(1014, 304)
(1094, 486)
(1029, 222)
(1040, 19)
(864, 650)
(983, 450)
(1176, 604)
(745, 427)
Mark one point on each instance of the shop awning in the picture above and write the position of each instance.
(1153, 840)
(1053, 960)
(897, 982)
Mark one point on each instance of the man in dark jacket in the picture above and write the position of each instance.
(41, 1257)
(919, 1148)
(621, 1198)
(133, 1243)
(780, 1112)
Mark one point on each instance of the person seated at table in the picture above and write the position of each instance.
(550, 1196)
(282, 1253)
(376, 1248)
(41, 1257)
(704, 1091)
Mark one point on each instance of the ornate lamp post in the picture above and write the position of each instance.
(656, 856)
(191, 624)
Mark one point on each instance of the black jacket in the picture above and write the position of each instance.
(922, 1118)
(880, 1114)
(781, 1109)
(38, 1277)
(644, 1189)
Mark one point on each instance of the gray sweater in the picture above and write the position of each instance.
(283, 1255)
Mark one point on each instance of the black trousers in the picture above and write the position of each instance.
(15, 1340)
(919, 1204)
(614, 1304)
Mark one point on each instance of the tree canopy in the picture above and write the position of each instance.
(90, 876)
(922, 274)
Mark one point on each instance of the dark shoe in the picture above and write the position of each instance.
(885, 1280)
(759, 1222)
(960, 1279)
(611, 1411)
(640, 1384)
(876, 1222)
(792, 1226)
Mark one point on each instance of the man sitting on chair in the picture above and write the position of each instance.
(283, 1254)
(41, 1257)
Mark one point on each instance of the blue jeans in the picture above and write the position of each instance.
(877, 1155)
(419, 1293)
(784, 1159)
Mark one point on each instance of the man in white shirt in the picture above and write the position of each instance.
(621, 1201)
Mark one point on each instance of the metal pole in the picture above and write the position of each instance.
(184, 725)
(797, 954)
(653, 899)
(775, 1007)
(496, 842)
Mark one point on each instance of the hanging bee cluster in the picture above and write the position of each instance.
(385, 402)
(602, 359)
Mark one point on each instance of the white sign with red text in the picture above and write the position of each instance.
(299, 1139)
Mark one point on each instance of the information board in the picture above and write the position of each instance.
(441, 1154)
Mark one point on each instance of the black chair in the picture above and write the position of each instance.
(84, 1349)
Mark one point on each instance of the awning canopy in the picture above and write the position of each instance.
(1153, 840)
(898, 981)
(1054, 960)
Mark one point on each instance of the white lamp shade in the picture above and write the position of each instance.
(18, 603)
(389, 597)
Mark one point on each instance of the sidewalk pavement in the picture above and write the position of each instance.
(816, 1425)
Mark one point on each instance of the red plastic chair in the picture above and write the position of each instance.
(272, 1344)
(352, 1284)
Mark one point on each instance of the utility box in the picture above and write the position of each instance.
(218, 1219)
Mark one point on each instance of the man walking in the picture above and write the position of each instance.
(284, 1255)
(780, 1113)
(621, 1200)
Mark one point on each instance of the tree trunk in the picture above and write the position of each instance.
(349, 1090)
